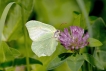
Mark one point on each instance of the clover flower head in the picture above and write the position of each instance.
(75, 39)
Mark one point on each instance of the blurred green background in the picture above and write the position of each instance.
(54, 12)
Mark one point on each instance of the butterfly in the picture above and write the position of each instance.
(44, 37)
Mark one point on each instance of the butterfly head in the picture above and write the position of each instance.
(57, 34)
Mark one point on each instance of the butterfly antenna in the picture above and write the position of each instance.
(62, 24)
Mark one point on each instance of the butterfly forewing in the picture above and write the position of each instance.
(37, 29)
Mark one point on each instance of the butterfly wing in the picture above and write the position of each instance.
(44, 43)
(36, 29)
(45, 47)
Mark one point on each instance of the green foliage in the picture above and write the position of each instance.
(3, 18)
(94, 42)
(19, 62)
(13, 25)
(5, 54)
(15, 44)
(93, 61)
(15, 52)
(11, 29)
(99, 31)
(77, 18)
(75, 62)
(58, 60)
(56, 12)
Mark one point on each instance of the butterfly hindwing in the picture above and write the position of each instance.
(44, 47)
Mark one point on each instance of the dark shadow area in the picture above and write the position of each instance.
(97, 8)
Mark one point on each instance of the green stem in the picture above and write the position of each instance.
(27, 53)
(25, 41)
(83, 67)
(84, 12)
(90, 67)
